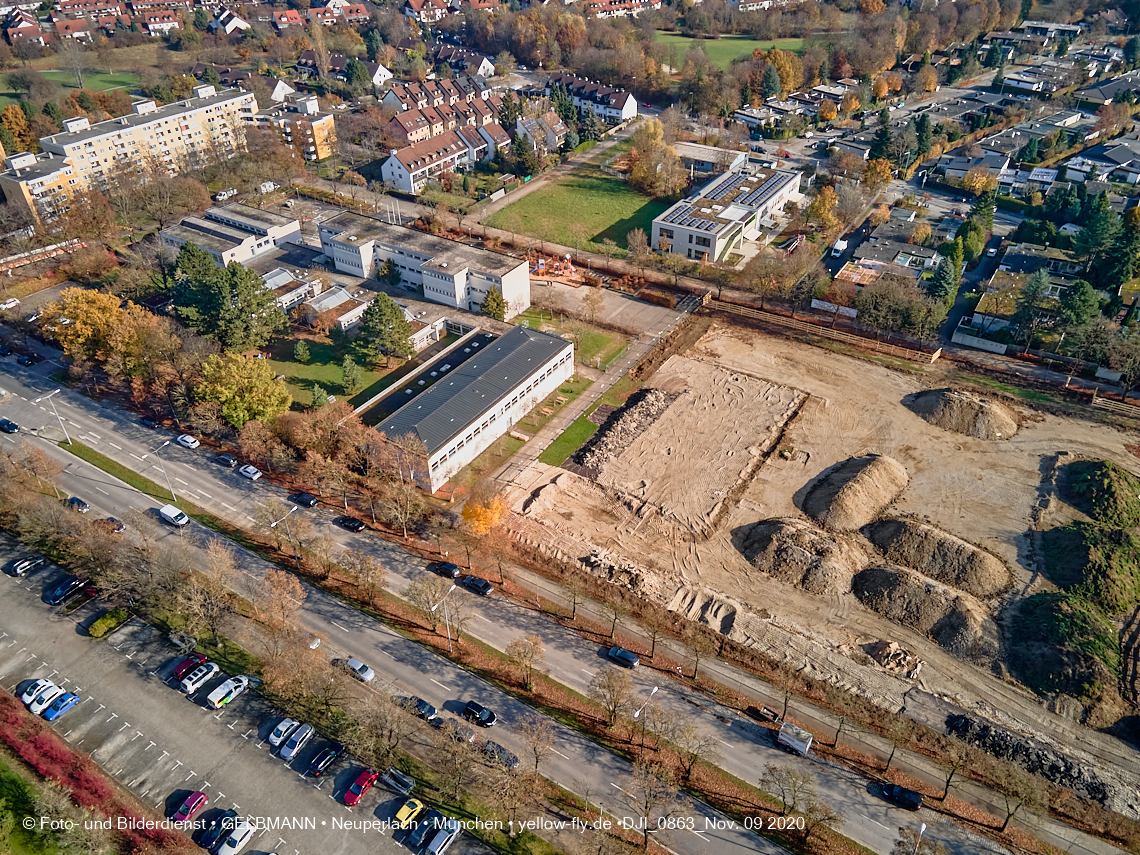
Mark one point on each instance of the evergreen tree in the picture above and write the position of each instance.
(384, 331)
(356, 74)
(924, 134)
(525, 156)
(1029, 152)
(591, 127)
(301, 352)
(494, 306)
(509, 112)
(1063, 46)
(1026, 10)
(373, 43)
(983, 210)
(1079, 304)
(1125, 253)
(564, 105)
(571, 141)
(948, 276)
(351, 376)
(1093, 243)
(201, 19)
(881, 142)
(320, 396)
(771, 85)
(1132, 51)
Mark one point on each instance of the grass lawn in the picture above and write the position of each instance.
(582, 208)
(570, 441)
(19, 797)
(724, 50)
(323, 370)
(591, 344)
(95, 81)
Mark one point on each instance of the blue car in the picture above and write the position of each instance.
(61, 705)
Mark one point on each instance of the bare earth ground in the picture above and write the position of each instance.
(982, 491)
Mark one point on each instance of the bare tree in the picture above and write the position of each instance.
(458, 757)
(955, 755)
(656, 625)
(576, 593)
(592, 304)
(73, 59)
(794, 787)
(1018, 789)
(510, 790)
(424, 595)
(819, 814)
(694, 746)
(614, 612)
(611, 689)
(910, 842)
(537, 734)
(526, 653)
(701, 645)
(652, 794)
(369, 572)
(385, 726)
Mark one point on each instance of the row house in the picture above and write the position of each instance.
(307, 65)
(612, 105)
(89, 8)
(146, 5)
(459, 59)
(427, 11)
(160, 22)
(409, 169)
(619, 8)
(413, 126)
(434, 93)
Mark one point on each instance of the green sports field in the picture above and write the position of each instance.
(724, 50)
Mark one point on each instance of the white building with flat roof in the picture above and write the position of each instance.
(234, 233)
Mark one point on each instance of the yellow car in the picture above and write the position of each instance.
(409, 811)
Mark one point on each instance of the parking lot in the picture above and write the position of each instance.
(160, 744)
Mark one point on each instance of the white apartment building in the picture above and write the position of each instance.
(168, 139)
(234, 233)
(445, 271)
(473, 404)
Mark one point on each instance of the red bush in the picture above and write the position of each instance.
(52, 748)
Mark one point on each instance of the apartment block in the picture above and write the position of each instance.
(410, 168)
(166, 139)
(302, 126)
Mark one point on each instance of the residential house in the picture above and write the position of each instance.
(410, 168)
(159, 23)
(228, 22)
(283, 19)
(307, 65)
(618, 8)
(462, 60)
(546, 132)
(77, 29)
(611, 105)
(426, 11)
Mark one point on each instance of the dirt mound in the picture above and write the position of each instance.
(956, 621)
(705, 606)
(941, 556)
(963, 412)
(803, 555)
(855, 492)
(1106, 492)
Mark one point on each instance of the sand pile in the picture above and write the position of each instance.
(855, 492)
(705, 606)
(799, 553)
(941, 556)
(956, 621)
(964, 412)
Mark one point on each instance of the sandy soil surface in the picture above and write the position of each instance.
(982, 491)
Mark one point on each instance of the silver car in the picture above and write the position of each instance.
(284, 729)
(298, 740)
(199, 677)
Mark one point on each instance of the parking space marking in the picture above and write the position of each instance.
(126, 724)
(113, 716)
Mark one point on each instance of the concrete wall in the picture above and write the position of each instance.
(968, 340)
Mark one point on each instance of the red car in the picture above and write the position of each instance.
(189, 664)
(360, 786)
(194, 803)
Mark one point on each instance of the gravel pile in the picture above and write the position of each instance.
(621, 428)
(941, 556)
(856, 491)
(1048, 764)
(966, 413)
(801, 554)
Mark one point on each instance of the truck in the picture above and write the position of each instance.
(839, 248)
(794, 739)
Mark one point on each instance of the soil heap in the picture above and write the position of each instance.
(855, 492)
(799, 553)
(966, 413)
(941, 556)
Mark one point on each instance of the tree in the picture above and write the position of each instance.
(1079, 304)
(1030, 301)
(591, 127)
(877, 174)
(694, 745)
(920, 234)
(655, 169)
(979, 179)
(924, 135)
(947, 277)
(611, 689)
(537, 734)
(792, 786)
(231, 305)
(504, 63)
(494, 306)
(425, 594)
(1029, 152)
(459, 759)
(356, 74)
(301, 352)
(1132, 51)
(95, 318)
(245, 389)
(828, 112)
(369, 572)
(1018, 789)
(321, 56)
(770, 86)
(819, 814)
(637, 243)
(652, 794)
(910, 842)
(881, 141)
(1095, 240)
(484, 510)
(822, 208)
(351, 376)
(983, 210)
(384, 330)
(880, 215)
(526, 653)
(71, 55)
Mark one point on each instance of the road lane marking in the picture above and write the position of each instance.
(445, 688)
(116, 447)
(338, 626)
(559, 753)
(180, 481)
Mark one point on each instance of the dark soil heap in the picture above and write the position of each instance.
(965, 413)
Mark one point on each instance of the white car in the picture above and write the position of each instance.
(250, 472)
(284, 729)
(9, 304)
(237, 840)
(297, 740)
(197, 678)
(226, 692)
(358, 670)
(34, 689)
(45, 699)
(187, 441)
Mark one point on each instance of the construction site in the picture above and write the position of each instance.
(878, 528)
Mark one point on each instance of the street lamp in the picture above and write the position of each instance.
(446, 622)
(637, 714)
(285, 519)
(48, 398)
(173, 497)
(921, 831)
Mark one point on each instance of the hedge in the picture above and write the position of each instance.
(108, 623)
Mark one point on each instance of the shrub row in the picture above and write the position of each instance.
(108, 623)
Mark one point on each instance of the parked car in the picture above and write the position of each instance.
(418, 707)
(9, 426)
(284, 728)
(116, 526)
(480, 715)
(5, 350)
(350, 523)
(480, 586)
(172, 515)
(250, 472)
(424, 828)
(237, 839)
(45, 699)
(360, 787)
(192, 804)
(444, 837)
(494, 751)
(902, 797)
(60, 705)
(219, 827)
(187, 441)
(65, 589)
(23, 566)
(227, 460)
(325, 758)
(10, 304)
(298, 740)
(624, 657)
(407, 813)
(454, 728)
(226, 692)
(445, 569)
(357, 669)
(199, 677)
(77, 504)
(188, 664)
(225, 194)
(398, 781)
(150, 422)
(33, 690)
(30, 359)
(305, 500)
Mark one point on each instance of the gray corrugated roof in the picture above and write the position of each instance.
(439, 414)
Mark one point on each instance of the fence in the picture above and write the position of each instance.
(835, 335)
(1119, 407)
(22, 258)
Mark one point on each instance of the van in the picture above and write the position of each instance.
(443, 838)
(172, 515)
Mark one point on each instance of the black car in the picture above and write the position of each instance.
(24, 566)
(479, 714)
(219, 826)
(227, 460)
(151, 422)
(65, 589)
(445, 569)
(327, 756)
(9, 426)
(424, 827)
(30, 359)
(350, 523)
(902, 797)
(305, 500)
(77, 504)
(5, 351)
(494, 751)
(480, 586)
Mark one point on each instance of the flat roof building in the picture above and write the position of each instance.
(234, 233)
